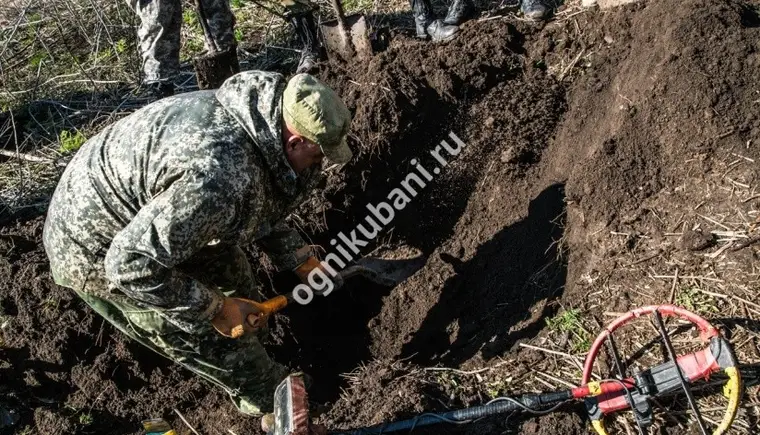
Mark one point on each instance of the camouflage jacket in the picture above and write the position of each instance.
(152, 189)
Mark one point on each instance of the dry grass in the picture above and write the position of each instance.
(69, 67)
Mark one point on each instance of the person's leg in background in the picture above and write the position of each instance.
(459, 11)
(300, 14)
(427, 25)
(158, 37)
(220, 61)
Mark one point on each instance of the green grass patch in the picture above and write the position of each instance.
(121, 46)
(497, 388)
(569, 322)
(357, 5)
(70, 142)
(190, 17)
(86, 419)
(37, 59)
(696, 301)
(194, 40)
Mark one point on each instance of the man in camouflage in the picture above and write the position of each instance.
(159, 35)
(147, 220)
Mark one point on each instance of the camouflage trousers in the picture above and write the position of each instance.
(158, 34)
(240, 366)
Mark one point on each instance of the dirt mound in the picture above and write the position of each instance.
(593, 145)
(661, 102)
(670, 89)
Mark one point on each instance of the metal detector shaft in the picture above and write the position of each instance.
(750, 375)
(504, 405)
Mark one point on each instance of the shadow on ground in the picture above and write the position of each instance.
(502, 295)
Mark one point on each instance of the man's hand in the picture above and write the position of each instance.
(237, 317)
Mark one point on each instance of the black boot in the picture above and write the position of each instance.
(427, 26)
(306, 30)
(536, 9)
(212, 69)
(440, 32)
(458, 12)
(423, 16)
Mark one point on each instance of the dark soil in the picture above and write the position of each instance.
(561, 156)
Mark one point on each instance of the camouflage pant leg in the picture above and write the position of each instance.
(159, 37)
(241, 367)
(298, 6)
(159, 33)
(220, 22)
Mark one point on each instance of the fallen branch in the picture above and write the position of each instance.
(24, 156)
(31, 158)
(746, 243)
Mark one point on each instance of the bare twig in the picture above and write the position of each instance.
(555, 379)
(571, 65)
(672, 297)
(549, 351)
(462, 372)
(181, 417)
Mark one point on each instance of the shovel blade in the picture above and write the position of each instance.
(358, 43)
(393, 271)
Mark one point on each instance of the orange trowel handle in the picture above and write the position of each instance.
(266, 309)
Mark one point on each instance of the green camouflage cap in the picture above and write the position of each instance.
(316, 112)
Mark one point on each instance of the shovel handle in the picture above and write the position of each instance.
(266, 309)
(202, 18)
(341, 16)
(271, 306)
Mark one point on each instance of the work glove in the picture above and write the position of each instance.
(238, 316)
(304, 270)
